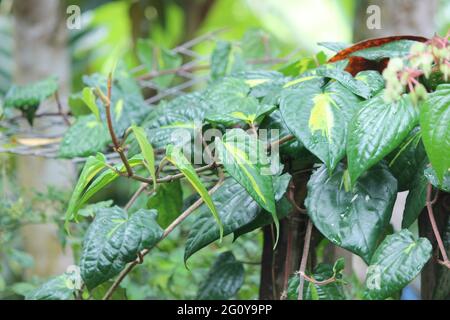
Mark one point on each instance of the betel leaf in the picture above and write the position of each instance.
(62, 287)
(91, 168)
(147, 151)
(435, 124)
(231, 103)
(168, 201)
(177, 158)
(235, 207)
(127, 102)
(395, 263)
(416, 198)
(244, 158)
(408, 160)
(224, 279)
(156, 59)
(376, 130)
(113, 240)
(319, 118)
(430, 174)
(275, 122)
(354, 220)
(90, 101)
(354, 85)
(394, 49)
(220, 59)
(101, 181)
(27, 98)
(284, 208)
(373, 79)
(175, 122)
(311, 291)
(85, 137)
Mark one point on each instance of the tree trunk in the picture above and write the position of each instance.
(397, 17)
(40, 39)
(275, 266)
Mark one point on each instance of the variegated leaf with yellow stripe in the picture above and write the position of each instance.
(319, 117)
(244, 158)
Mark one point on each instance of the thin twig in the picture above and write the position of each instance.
(167, 231)
(319, 283)
(288, 260)
(304, 260)
(117, 146)
(136, 195)
(60, 109)
(434, 226)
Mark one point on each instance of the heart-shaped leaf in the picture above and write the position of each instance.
(354, 220)
(435, 124)
(319, 118)
(395, 263)
(376, 130)
(113, 240)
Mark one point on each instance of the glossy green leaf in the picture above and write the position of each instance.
(235, 207)
(91, 168)
(131, 110)
(90, 101)
(435, 124)
(373, 79)
(113, 240)
(175, 122)
(331, 291)
(244, 158)
(319, 118)
(354, 85)
(168, 201)
(237, 210)
(354, 220)
(224, 279)
(393, 49)
(177, 158)
(430, 174)
(102, 180)
(408, 160)
(58, 288)
(376, 130)
(416, 198)
(395, 263)
(85, 137)
(147, 151)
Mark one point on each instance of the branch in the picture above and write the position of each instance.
(319, 283)
(117, 147)
(167, 231)
(434, 226)
(304, 260)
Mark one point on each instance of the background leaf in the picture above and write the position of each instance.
(223, 280)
